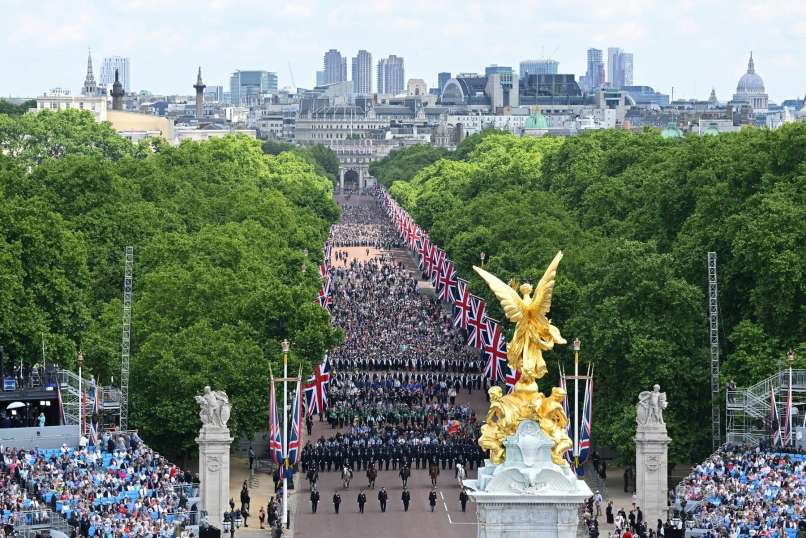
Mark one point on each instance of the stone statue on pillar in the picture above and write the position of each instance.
(214, 446)
(651, 454)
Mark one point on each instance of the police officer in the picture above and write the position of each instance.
(336, 501)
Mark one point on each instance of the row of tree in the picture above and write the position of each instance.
(219, 230)
(636, 216)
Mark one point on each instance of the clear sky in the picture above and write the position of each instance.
(690, 45)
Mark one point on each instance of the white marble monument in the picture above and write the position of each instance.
(528, 495)
(214, 445)
(651, 449)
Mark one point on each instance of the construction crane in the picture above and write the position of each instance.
(126, 338)
(713, 317)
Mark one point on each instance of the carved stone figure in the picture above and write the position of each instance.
(215, 408)
(651, 404)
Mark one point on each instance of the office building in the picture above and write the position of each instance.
(362, 73)
(619, 68)
(335, 67)
(391, 75)
(249, 88)
(538, 67)
(442, 79)
(121, 65)
(214, 94)
(594, 76)
(416, 87)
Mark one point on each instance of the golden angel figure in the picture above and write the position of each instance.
(534, 332)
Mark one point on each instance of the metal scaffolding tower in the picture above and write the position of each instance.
(713, 314)
(126, 339)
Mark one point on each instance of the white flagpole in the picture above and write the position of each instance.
(576, 400)
(285, 434)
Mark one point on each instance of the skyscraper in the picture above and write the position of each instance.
(362, 73)
(391, 75)
(335, 67)
(619, 68)
(538, 67)
(89, 88)
(594, 76)
(442, 79)
(119, 64)
(249, 87)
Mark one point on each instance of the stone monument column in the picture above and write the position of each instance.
(214, 445)
(651, 456)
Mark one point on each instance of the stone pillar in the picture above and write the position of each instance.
(651, 457)
(214, 445)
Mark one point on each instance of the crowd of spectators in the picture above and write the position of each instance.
(741, 491)
(363, 225)
(116, 487)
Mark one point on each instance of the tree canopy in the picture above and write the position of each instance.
(635, 215)
(218, 229)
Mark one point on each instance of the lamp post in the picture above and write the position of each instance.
(80, 361)
(577, 345)
(482, 256)
(286, 346)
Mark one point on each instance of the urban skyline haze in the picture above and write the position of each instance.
(687, 45)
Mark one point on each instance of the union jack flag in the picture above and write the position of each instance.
(275, 438)
(461, 305)
(446, 288)
(316, 388)
(775, 420)
(424, 251)
(494, 346)
(295, 440)
(569, 455)
(585, 427)
(476, 322)
(325, 297)
(436, 266)
(324, 270)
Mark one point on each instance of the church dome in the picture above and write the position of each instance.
(750, 82)
(536, 121)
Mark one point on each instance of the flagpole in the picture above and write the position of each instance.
(576, 401)
(790, 437)
(285, 433)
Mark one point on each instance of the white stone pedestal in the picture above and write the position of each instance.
(651, 478)
(527, 495)
(214, 445)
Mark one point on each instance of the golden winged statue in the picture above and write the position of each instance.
(533, 335)
(534, 332)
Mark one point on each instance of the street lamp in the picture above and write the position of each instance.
(482, 256)
(285, 345)
(577, 345)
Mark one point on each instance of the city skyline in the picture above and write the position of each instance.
(43, 51)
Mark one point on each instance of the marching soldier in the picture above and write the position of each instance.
(382, 497)
(432, 498)
(463, 497)
(362, 500)
(406, 498)
(314, 500)
(336, 501)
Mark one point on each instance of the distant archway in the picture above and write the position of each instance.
(351, 181)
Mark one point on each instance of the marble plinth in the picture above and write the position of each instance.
(214, 447)
(651, 478)
(528, 495)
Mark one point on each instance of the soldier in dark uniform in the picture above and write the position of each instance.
(463, 499)
(336, 501)
(314, 500)
(327, 457)
(362, 500)
(406, 498)
(386, 455)
(382, 497)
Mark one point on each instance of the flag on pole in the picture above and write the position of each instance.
(569, 455)
(585, 427)
(788, 417)
(494, 346)
(446, 285)
(316, 388)
(775, 420)
(476, 322)
(275, 437)
(511, 379)
(295, 440)
(461, 305)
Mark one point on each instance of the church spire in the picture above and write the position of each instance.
(90, 88)
(751, 67)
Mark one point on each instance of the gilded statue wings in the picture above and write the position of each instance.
(511, 302)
